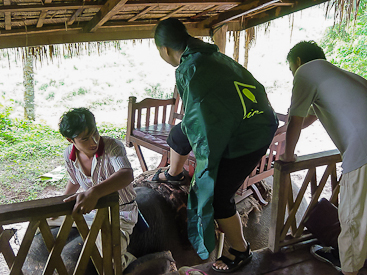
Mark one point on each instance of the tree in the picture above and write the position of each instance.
(346, 44)
(28, 82)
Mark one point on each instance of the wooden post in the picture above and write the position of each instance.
(236, 50)
(219, 38)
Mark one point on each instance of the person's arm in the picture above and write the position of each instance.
(71, 188)
(308, 121)
(86, 201)
(293, 131)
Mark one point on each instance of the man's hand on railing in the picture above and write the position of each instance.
(286, 158)
(85, 201)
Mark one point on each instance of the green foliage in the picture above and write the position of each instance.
(346, 45)
(108, 129)
(27, 150)
(156, 91)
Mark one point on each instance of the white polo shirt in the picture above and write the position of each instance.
(109, 158)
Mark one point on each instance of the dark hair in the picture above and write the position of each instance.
(171, 33)
(76, 121)
(306, 51)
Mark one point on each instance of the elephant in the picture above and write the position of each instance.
(163, 243)
(162, 235)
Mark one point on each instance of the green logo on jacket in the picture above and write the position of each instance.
(245, 91)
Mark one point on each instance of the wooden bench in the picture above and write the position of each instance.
(150, 121)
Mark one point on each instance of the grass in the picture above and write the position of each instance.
(29, 150)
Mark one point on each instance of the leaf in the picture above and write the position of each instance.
(55, 175)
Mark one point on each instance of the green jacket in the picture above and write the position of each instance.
(227, 115)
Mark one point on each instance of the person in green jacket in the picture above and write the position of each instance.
(228, 124)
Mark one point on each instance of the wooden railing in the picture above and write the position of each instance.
(36, 212)
(285, 231)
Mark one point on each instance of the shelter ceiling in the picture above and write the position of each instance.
(43, 22)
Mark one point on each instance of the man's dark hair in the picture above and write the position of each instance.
(171, 33)
(306, 51)
(76, 121)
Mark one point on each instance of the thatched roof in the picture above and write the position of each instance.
(44, 22)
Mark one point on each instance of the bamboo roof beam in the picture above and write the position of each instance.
(281, 11)
(200, 14)
(109, 9)
(48, 7)
(74, 16)
(89, 5)
(145, 11)
(7, 16)
(238, 11)
(173, 13)
(43, 15)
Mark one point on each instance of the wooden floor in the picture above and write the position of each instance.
(296, 262)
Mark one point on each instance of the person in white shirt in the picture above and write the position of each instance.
(337, 98)
(100, 166)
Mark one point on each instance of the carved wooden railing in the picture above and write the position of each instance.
(36, 212)
(285, 230)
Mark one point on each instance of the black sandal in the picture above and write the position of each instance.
(241, 259)
(171, 179)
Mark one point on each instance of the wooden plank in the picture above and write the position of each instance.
(140, 155)
(309, 161)
(236, 12)
(315, 198)
(44, 208)
(140, 14)
(50, 242)
(90, 242)
(130, 120)
(116, 241)
(91, 5)
(55, 254)
(5, 247)
(84, 231)
(147, 117)
(43, 15)
(173, 13)
(106, 236)
(203, 13)
(219, 38)
(281, 11)
(46, 7)
(281, 185)
(75, 16)
(109, 9)
(24, 248)
(156, 112)
(293, 211)
(7, 16)
(58, 35)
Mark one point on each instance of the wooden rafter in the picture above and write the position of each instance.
(75, 16)
(50, 7)
(7, 16)
(240, 10)
(109, 9)
(43, 15)
(146, 10)
(173, 12)
(89, 5)
(33, 22)
(200, 14)
(281, 11)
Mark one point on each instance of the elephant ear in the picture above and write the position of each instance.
(152, 264)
